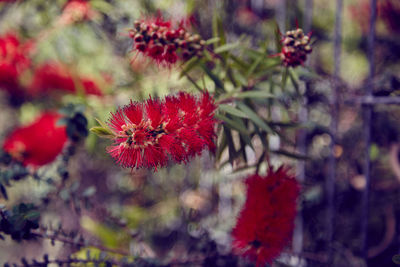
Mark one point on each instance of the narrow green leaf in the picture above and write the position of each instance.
(255, 118)
(3, 191)
(231, 145)
(284, 78)
(278, 37)
(294, 80)
(254, 66)
(221, 147)
(243, 65)
(103, 124)
(290, 154)
(32, 215)
(102, 132)
(255, 54)
(246, 137)
(254, 94)
(243, 148)
(226, 47)
(232, 124)
(189, 65)
(218, 28)
(194, 82)
(212, 40)
(218, 83)
(232, 110)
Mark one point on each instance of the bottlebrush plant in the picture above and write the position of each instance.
(138, 198)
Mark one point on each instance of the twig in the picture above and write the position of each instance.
(78, 243)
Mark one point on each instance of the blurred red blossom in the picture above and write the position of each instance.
(14, 59)
(38, 143)
(55, 76)
(147, 134)
(387, 10)
(265, 224)
(166, 44)
(76, 11)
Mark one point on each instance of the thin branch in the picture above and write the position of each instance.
(78, 243)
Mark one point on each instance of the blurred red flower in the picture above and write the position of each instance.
(387, 10)
(76, 11)
(13, 61)
(147, 134)
(38, 143)
(266, 222)
(54, 76)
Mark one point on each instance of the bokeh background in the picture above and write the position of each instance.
(187, 209)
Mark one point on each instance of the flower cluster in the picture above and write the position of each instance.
(148, 134)
(54, 76)
(266, 221)
(164, 43)
(38, 143)
(13, 61)
(295, 47)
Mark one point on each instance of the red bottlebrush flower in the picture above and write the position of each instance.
(53, 76)
(76, 11)
(38, 143)
(164, 43)
(266, 222)
(295, 47)
(13, 61)
(149, 133)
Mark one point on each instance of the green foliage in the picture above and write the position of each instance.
(20, 221)
(75, 121)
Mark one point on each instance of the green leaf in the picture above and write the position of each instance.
(245, 137)
(32, 215)
(254, 94)
(232, 124)
(3, 191)
(231, 145)
(277, 37)
(218, 83)
(218, 29)
(221, 147)
(232, 110)
(255, 65)
(255, 54)
(284, 78)
(294, 80)
(226, 47)
(104, 125)
(290, 154)
(243, 65)
(255, 118)
(212, 40)
(102, 132)
(189, 65)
